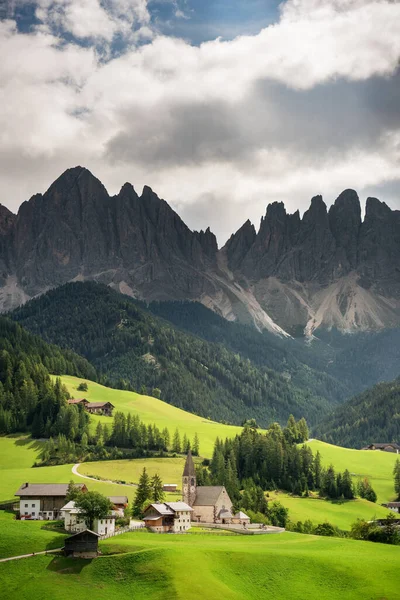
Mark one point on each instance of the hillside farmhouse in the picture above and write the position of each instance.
(119, 504)
(73, 521)
(82, 545)
(169, 517)
(210, 503)
(100, 408)
(43, 501)
(82, 401)
(390, 447)
(395, 506)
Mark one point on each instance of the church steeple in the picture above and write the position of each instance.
(189, 481)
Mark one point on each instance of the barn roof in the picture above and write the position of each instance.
(118, 499)
(207, 495)
(45, 489)
(162, 509)
(77, 400)
(98, 404)
(80, 533)
(385, 445)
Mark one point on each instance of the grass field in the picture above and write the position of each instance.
(341, 513)
(377, 466)
(151, 410)
(24, 537)
(17, 455)
(193, 567)
(170, 469)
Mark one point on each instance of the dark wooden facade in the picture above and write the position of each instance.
(83, 545)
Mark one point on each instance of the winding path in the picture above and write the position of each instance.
(76, 472)
(29, 555)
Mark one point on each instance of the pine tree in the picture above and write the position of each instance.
(347, 486)
(99, 433)
(143, 493)
(196, 445)
(157, 492)
(176, 442)
(396, 473)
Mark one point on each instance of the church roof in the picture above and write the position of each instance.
(207, 495)
(189, 470)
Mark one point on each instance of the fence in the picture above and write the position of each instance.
(123, 530)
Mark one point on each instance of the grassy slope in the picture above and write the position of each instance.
(342, 514)
(377, 466)
(198, 566)
(23, 537)
(151, 410)
(17, 455)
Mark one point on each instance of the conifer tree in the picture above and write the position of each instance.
(196, 445)
(176, 442)
(157, 492)
(143, 493)
(396, 473)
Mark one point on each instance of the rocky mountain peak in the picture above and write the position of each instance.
(239, 244)
(208, 242)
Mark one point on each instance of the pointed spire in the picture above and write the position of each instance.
(189, 470)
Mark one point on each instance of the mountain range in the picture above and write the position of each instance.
(293, 276)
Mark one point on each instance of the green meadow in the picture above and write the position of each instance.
(376, 465)
(147, 566)
(151, 410)
(24, 537)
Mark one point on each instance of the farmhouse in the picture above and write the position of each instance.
(169, 517)
(73, 520)
(100, 408)
(43, 501)
(210, 503)
(82, 545)
(395, 506)
(390, 447)
(119, 504)
(169, 487)
(82, 401)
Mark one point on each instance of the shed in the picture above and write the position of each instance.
(100, 408)
(241, 518)
(82, 545)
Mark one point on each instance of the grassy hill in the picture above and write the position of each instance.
(193, 566)
(151, 410)
(23, 537)
(377, 466)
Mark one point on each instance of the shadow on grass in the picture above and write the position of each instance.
(68, 566)
(28, 441)
(56, 542)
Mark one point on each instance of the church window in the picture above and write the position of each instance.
(192, 482)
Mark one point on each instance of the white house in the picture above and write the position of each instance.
(74, 522)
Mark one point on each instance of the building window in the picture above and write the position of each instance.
(26, 506)
(33, 506)
(26, 512)
(33, 514)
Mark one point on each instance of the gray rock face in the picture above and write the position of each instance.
(324, 269)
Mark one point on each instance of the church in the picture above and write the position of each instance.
(210, 503)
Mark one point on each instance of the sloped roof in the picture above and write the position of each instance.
(118, 499)
(178, 506)
(225, 514)
(69, 506)
(82, 532)
(241, 515)
(162, 509)
(45, 489)
(76, 400)
(98, 404)
(385, 445)
(392, 504)
(207, 495)
(189, 470)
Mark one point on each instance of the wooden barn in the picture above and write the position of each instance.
(84, 544)
(100, 408)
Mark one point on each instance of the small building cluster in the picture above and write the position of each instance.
(43, 501)
(394, 506)
(95, 408)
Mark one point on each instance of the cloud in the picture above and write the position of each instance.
(309, 105)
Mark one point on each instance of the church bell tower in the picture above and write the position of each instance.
(189, 481)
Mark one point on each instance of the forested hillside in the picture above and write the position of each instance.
(29, 401)
(373, 416)
(133, 349)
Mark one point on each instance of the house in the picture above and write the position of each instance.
(82, 401)
(73, 521)
(389, 447)
(82, 545)
(241, 519)
(169, 487)
(100, 408)
(395, 506)
(43, 501)
(169, 517)
(210, 503)
(119, 504)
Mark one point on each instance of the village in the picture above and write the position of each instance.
(207, 506)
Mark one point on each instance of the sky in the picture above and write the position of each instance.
(220, 106)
